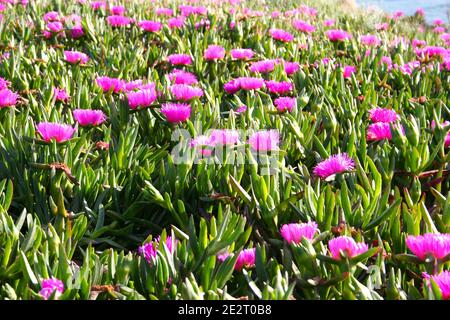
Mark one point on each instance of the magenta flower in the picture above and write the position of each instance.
(8, 98)
(432, 51)
(346, 245)
(303, 26)
(420, 12)
(119, 21)
(117, 10)
(60, 95)
(243, 108)
(249, 83)
(55, 26)
(337, 163)
(164, 12)
(382, 26)
(150, 250)
(176, 112)
(179, 59)
(379, 131)
(282, 87)
(246, 259)
(291, 67)
(263, 66)
(430, 244)
(133, 85)
(176, 23)
(110, 84)
(77, 32)
(242, 54)
(443, 282)
(141, 98)
(224, 136)
(387, 61)
(203, 144)
(150, 26)
(55, 131)
(214, 52)
(51, 16)
(4, 84)
(284, 104)
(337, 35)
(86, 117)
(185, 92)
(281, 35)
(370, 40)
(49, 286)
(182, 77)
(264, 140)
(97, 5)
(329, 22)
(383, 115)
(416, 43)
(75, 57)
(294, 232)
(348, 71)
(438, 22)
(232, 86)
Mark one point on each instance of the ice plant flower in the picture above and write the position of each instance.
(4, 83)
(383, 115)
(107, 84)
(370, 40)
(348, 71)
(263, 66)
(337, 35)
(291, 67)
(214, 52)
(60, 95)
(281, 35)
(379, 131)
(264, 140)
(303, 26)
(232, 86)
(75, 57)
(150, 26)
(182, 77)
(294, 232)
(55, 26)
(176, 112)
(224, 136)
(430, 244)
(179, 59)
(117, 10)
(329, 22)
(176, 22)
(55, 131)
(284, 104)
(203, 144)
(249, 83)
(442, 280)
(7, 98)
(86, 117)
(164, 12)
(282, 87)
(185, 92)
(119, 21)
(50, 286)
(141, 98)
(337, 163)
(246, 259)
(150, 250)
(51, 16)
(347, 245)
(242, 54)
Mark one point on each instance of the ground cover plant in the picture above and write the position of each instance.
(222, 150)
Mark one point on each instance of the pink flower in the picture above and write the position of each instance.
(438, 22)
(142, 98)
(182, 77)
(176, 112)
(438, 30)
(249, 83)
(4, 83)
(232, 86)
(203, 144)
(76, 32)
(117, 10)
(285, 104)
(282, 87)
(150, 250)
(263, 66)
(87, 117)
(382, 26)
(8, 98)
(337, 163)
(446, 38)
(329, 22)
(398, 14)
(164, 12)
(380, 131)
(185, 92)
(291, 67)
(242, 54)
(418, 43)
(49, 286)
(246, 259)
(119, 21)
(432, 51)
(60, 95)
(224, 136)
(264, 140)
(294, 232)
(108, 84)
(347, 245)
(241, 109)
(383, 115)
(281, 35)
(443, 282)
(97, 5)
(150, 26)
(348, 71)
(387, 61)
(176, 23)
(75, 57)
(370, 40)
(51, 16)
(430, 244)
(55, 26)
(303, 26)
(214, 52)
(179, 59)
(55, 131)
(337, 35)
